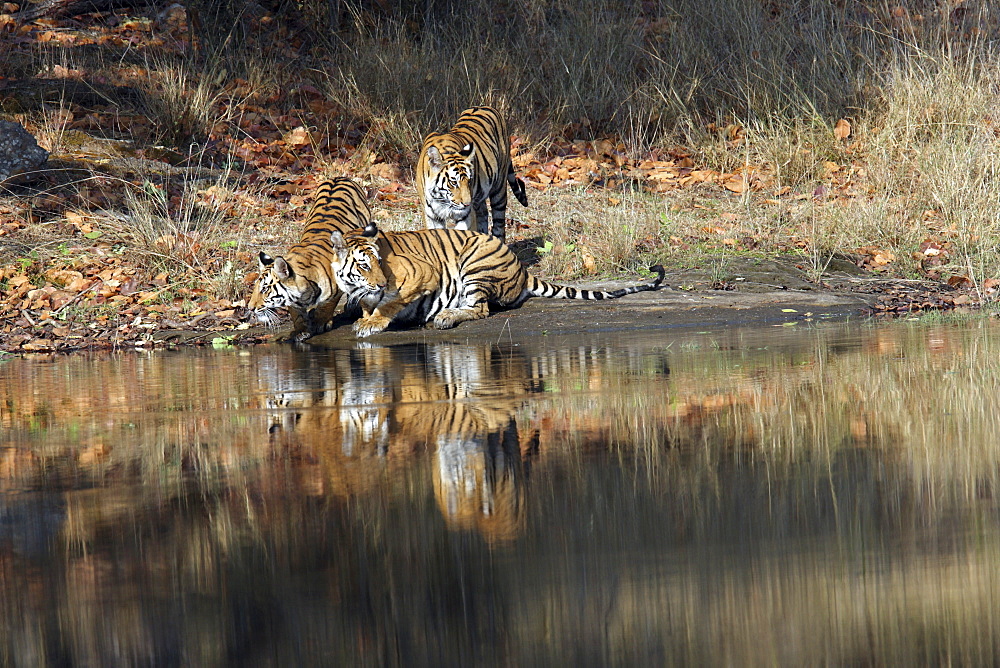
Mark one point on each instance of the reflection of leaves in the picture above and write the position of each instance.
(223, 342)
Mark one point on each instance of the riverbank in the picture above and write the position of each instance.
(731, 293)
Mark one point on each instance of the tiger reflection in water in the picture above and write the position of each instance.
(379, 408)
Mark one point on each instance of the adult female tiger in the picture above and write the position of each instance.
(444, 276)
(302, 280)
(457, 170)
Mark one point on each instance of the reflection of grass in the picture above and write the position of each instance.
(868, 609)
(916, 388)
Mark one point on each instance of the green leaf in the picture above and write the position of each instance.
(93, 234)
(150, 189)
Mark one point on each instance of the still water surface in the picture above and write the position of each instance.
(780, 496)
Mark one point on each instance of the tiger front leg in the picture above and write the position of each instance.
(372, 324)
(379, 319)
(381, 316)
(320, 318)
(303, 326)
(498, 212)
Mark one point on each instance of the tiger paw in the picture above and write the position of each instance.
(450, 317)
(373, 324)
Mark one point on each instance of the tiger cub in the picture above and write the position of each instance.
(440, 276)
(301, 280)
(457, 170)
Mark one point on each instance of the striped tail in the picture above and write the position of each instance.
(516, 186)
(539, 288)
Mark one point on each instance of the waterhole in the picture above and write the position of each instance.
(780, 496)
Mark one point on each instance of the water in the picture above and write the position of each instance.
(781, 496)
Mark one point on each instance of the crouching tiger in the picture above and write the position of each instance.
(457, 170)
(301, 280)
(440, 276)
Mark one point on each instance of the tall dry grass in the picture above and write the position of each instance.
(648, 72)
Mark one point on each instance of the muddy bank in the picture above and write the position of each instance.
(740, 292)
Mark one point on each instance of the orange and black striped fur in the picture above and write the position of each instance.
(439, 276)
(457, 170)
(302, 280)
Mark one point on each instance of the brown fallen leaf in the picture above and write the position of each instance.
(842, 130)
(736, 185)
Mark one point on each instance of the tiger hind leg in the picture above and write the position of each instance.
(450, 317)
(498, 209)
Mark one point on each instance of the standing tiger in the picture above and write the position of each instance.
(301, 280)
(440, 276)
(457, 170)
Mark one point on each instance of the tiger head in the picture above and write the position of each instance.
(357, 265)
(281, 285)
(450, 183)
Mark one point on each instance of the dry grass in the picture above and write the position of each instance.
(918, 87)
(585, 233)
(738, 82)
(202, 229)
(598, 66)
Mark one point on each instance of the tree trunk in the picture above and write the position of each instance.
(59, 8)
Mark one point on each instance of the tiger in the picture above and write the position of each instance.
(444, 277)
(457, 170)
(301, 280)
(350, 420)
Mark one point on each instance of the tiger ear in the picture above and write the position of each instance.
(468, 150)
(370, 230)
(282, 268)
(337, 241)
(434, 155)
(264, 260)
